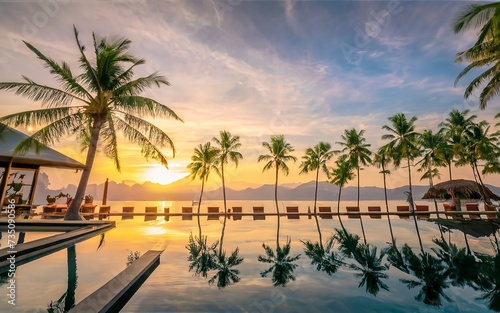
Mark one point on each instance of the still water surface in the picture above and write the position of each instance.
(256, 271)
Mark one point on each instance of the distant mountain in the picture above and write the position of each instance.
(187, 190)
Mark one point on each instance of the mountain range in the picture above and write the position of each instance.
(187, 190)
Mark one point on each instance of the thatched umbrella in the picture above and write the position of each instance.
(461, 188)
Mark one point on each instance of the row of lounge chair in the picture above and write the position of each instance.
(292, 212)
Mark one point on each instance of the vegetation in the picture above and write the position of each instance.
(108, 102)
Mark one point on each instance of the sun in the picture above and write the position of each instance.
(160, 175)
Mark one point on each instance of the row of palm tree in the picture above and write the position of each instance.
(460, 141)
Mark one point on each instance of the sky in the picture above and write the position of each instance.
(305, 69)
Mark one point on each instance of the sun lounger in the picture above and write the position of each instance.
(323, 210)
(258, 212)
(104, 211)
(374, 209)
(127, 209)
(185, 211)
(490, 208)
(212, 210)
(290, 210)
(472, 207)
(451, 208)
(150, 209)
(403, 209)
(423, 208)
(236, 210)
(351, 210)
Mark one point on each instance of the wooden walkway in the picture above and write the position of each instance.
(115, 293)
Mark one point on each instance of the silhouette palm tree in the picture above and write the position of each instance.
(484, 52)
(67, 301)
(381, 160)
(108, 101)
(340, 175)
(201, 255)
(279, 150)
(315, 160)
(228, 145)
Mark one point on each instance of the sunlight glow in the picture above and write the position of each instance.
(154, 230)
(160, 175)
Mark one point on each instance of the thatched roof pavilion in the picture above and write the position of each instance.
(462, 189)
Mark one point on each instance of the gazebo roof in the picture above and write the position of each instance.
(10, 138)
(462, 188)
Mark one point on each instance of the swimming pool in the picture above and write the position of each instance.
(351, 277)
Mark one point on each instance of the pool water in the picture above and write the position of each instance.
(352, 276)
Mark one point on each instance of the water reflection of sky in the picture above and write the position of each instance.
(172, 288)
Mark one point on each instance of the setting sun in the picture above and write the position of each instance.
(160, 175)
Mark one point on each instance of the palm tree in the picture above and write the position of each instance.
(484, 52)
(108, 101)
(314, 160)
(479, 146)
(339, 176)
(67, 301)
(228, 145)
(205, 159)
(279, 150)
(226, 273)
(381, 160)
(403, 143)
(356, 150)
(201, 255)
(432, 144)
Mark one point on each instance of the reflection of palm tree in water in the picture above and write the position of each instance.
(67, 301)
(200, 254)
(324, 258)
(282, 264)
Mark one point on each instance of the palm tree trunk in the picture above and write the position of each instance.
(73, 212)
(316, 190)
(277, 209)
(222, 235)
(319, 232)
(360, 217)
(412, 206)
(483, 187)
(338, 208)
(223, 187)
(199, 204)
(387, 207)
(69, 301)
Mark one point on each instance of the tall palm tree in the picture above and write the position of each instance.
(204, 160)
(282, 264)
(315, 160)
(107, 101)
(67, 301)
(484, 52)
(357, 151)
(339, 176)
(432, 145)
(381, 160)
(480, 146)
(279, 154)
(403, 143)
(228, 145)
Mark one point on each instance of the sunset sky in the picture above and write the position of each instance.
(306, 69)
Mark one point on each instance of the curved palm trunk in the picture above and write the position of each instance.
(316, 190)
(222, 234)
(338, 208)
(277, 209)
(73, 212)
(199, 204)
(483, 187)
(223, 187)
(360, 217)
(452, 193)
(387, 208)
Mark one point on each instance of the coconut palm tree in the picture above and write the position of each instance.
(484, 52)
(201, 255)
(67, 301)
(479, 146)
(432, 144)
(279, 154)
(226, 274)
(403, 143)
(381, 160)
(96, 105)
(204, 160)
(315, 160)
(357, 151)
(339, 176)
(228, 145)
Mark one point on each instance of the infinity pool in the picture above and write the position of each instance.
(452, 268)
